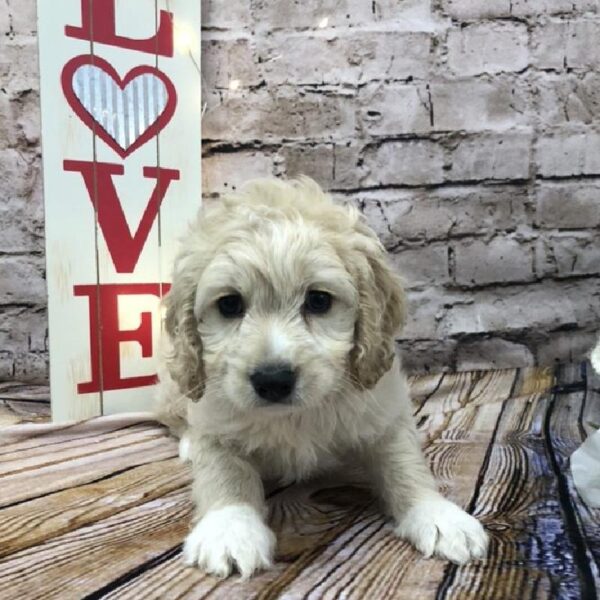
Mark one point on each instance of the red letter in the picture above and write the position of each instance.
(103, 303)
(124, 248)
(98, 25)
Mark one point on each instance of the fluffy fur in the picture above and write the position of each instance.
(595, 357)
(273, 243)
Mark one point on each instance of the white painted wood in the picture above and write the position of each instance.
(70, 254)
(188, 154)
(178, 146)
(77, 251)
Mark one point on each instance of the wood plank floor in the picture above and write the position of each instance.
(99, 509)
(22, 403)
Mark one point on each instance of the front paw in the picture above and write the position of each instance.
(228, 536)
(437, 526)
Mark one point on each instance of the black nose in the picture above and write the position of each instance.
(273, 383)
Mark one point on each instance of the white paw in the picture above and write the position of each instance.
(437, 526)
(228, 536)
(184, 448)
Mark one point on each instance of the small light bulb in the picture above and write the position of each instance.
(323, 22)
(183, 37)
(234, 84)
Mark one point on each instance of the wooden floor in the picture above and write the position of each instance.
(99, 509)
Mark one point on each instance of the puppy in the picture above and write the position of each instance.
(280, 363)
(595, 357)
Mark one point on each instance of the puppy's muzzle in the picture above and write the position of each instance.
(274, 382)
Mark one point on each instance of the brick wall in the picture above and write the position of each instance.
(467, 131)
(23, 322)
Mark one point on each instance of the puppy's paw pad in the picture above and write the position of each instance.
(230, 536)
(440, 527)
(185, 448)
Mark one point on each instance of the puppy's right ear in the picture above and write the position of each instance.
(185, 359)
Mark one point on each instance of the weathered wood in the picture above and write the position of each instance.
(16, 439)
(14, 412)
(118, 115)
(79, 562)
(32, 522)
(451, 394)
(36, 456)
(498, 441)
(528, 502)
(507, 499)
(38, 471)
(335, 542)
(424, 386)
(15, 390)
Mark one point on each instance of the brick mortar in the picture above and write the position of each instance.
(465, 132)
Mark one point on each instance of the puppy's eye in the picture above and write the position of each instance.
(317, 303)
(231, 306)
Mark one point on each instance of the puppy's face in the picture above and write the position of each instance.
(280, 298)
(276, 310)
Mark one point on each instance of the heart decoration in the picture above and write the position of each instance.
(125, 113)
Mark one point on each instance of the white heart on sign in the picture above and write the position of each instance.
(125, 114)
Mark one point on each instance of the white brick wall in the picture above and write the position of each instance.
(467, 131)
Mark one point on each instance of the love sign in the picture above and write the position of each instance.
(121, 109)
(124, 113)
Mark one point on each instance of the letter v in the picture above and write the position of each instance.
(124, 248)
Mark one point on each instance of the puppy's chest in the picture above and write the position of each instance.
(291, 453)
(288, 463)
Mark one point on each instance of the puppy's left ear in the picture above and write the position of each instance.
(185, 360)
(381, 314)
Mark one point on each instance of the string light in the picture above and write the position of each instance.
(184, 37)
(323, 22)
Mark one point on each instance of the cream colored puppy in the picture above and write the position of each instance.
(281, 323)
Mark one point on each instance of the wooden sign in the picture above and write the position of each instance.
(121, 109)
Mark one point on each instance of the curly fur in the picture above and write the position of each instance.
(272, 243)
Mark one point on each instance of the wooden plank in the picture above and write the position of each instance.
(69, 216)
(503, 457)
(135, 19)
(506, 499)
(534, 551)
(313, 515)
(15, 390)
(423, 386)
(493, 386)
(16, 439)
(58, 448)
(534, 380)
(116, 77)
(180, 144)
(82, 561)
(452, 393)
(176, 147)
(335, 542)
(32, 522)
(14, 412)
(456, 392)
(72, 463)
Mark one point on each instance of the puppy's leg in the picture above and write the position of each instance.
(423, 516)
(230, 509)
